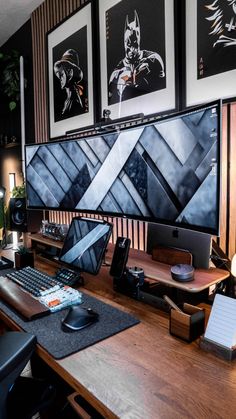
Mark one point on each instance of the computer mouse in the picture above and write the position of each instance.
(79, 317)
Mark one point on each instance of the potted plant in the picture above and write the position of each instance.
(24, 257)
(10, 77)
(18, 191)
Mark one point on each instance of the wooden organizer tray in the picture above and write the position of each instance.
(171, 256)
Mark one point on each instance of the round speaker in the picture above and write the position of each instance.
(19, 203)
(182, 272)
(18, 217)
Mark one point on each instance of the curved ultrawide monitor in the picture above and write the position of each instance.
(167, 171)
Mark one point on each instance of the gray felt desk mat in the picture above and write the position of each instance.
(61, 344)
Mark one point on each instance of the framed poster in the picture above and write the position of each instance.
(137, 56)
(70, 73)
(210, 50)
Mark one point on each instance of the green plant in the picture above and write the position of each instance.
(10, 77)
(1, 215)
(4, 215)
(22, 250)
(19, 191)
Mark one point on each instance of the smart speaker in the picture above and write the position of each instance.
(182, 272)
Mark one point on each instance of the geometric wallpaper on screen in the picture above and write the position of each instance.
(166, 170)
(85, 244)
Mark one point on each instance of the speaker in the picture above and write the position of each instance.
(182, 272)
(120, 257)
(21, 219)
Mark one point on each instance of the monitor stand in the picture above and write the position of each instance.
(197, 243)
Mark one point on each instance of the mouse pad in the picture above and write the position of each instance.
(61, 344)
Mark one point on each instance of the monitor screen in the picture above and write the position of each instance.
(167, 171)
(85, 244)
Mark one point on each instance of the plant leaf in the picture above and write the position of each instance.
(12, 105)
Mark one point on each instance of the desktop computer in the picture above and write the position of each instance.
(197, 243)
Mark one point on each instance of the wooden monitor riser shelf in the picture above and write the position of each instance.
(153, 270)
(39, 238)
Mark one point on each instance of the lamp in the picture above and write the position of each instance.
(12, 184)
(233, 266)
(233, 276)
(2, 210)
(2, 192)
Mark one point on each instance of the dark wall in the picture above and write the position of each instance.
(10, 120)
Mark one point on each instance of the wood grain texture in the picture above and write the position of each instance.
(39, 238)
(24, 304)
(144, 372)
(203, 278)
(171, 256)
(77, 408)
(224, 185)
(153, 270)
(43, 19)
(232, 182)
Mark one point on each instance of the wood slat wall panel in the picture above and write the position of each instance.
(232, 182)
(43, 19)
(224, 171)
(46, 17)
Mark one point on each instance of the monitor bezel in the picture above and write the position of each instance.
(149, 121)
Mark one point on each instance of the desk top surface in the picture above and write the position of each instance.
(144, 372)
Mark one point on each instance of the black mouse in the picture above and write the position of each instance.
(79, 317)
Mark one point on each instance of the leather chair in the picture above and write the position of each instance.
(16, 349)
(20, 397)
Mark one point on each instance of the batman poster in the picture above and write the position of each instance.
(135, 46)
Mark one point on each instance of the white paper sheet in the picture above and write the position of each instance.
(221, 327)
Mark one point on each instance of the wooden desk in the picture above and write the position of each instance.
(144, 372)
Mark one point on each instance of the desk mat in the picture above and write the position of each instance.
(61, 344)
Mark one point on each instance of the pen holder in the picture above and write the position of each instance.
(188, 324)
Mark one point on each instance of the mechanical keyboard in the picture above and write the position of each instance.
(62, 298)
(68, 277)
(35, 282)
(45, 288)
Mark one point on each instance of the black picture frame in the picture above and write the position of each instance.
(210, 51)
(157, 28)
(70, 73)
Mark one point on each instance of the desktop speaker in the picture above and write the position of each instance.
(21, 219)
(120, 257)
(182, 272)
